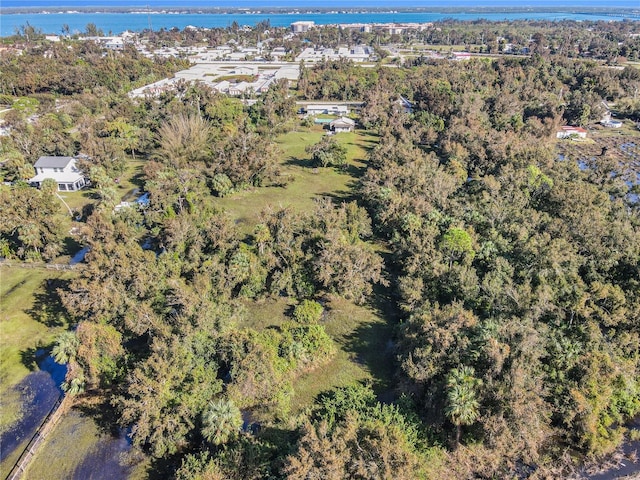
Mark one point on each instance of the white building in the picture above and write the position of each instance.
(327, 109)
(301, 27)
(342, 124)
(238, 88)
(356, 54)
(62, 169)
(568, 132)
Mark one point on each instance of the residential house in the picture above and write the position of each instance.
(62, 169)
(342, 124)
(568, 132)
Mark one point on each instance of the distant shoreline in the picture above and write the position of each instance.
(301, 10)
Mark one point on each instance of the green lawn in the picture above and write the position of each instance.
(30, 318)
(306, 183)
(360, 333)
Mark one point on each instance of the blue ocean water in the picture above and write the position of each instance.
(319, 3)
(119, 22)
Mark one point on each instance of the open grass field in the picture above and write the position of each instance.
(306, 182)
(361, 334)
(30, 318)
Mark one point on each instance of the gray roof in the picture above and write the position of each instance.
(53, 162)
(343, 121)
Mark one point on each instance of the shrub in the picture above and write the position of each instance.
(308, 312)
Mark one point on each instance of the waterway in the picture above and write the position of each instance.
(116, 23)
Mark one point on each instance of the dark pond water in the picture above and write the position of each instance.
(39, 392)
(107, 461)
(79, 256)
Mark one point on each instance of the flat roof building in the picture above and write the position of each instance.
(302, 27)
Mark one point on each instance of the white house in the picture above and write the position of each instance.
(342, 124)
(568, 131)
(62, 169)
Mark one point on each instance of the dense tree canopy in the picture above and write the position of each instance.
(510, 279)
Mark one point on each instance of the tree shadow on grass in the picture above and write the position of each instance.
(105, 416)
(301, 162)
(70, 246)
(30, 356)
(163, 468)
(340, 196)
(47, 306)
(138, 180)
(354, 171)
(373, 345)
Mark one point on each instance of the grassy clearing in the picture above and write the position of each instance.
(628, 129)
(306, 182)
(30, 319)
(75, 436)
(361, 334)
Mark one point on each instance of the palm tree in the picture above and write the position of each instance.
(65, 351)
(462, 404)
(75, 386)
(221, 421)
(184, 139)
(66, 348)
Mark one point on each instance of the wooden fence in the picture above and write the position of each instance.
(40, 265)
(41, 434)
